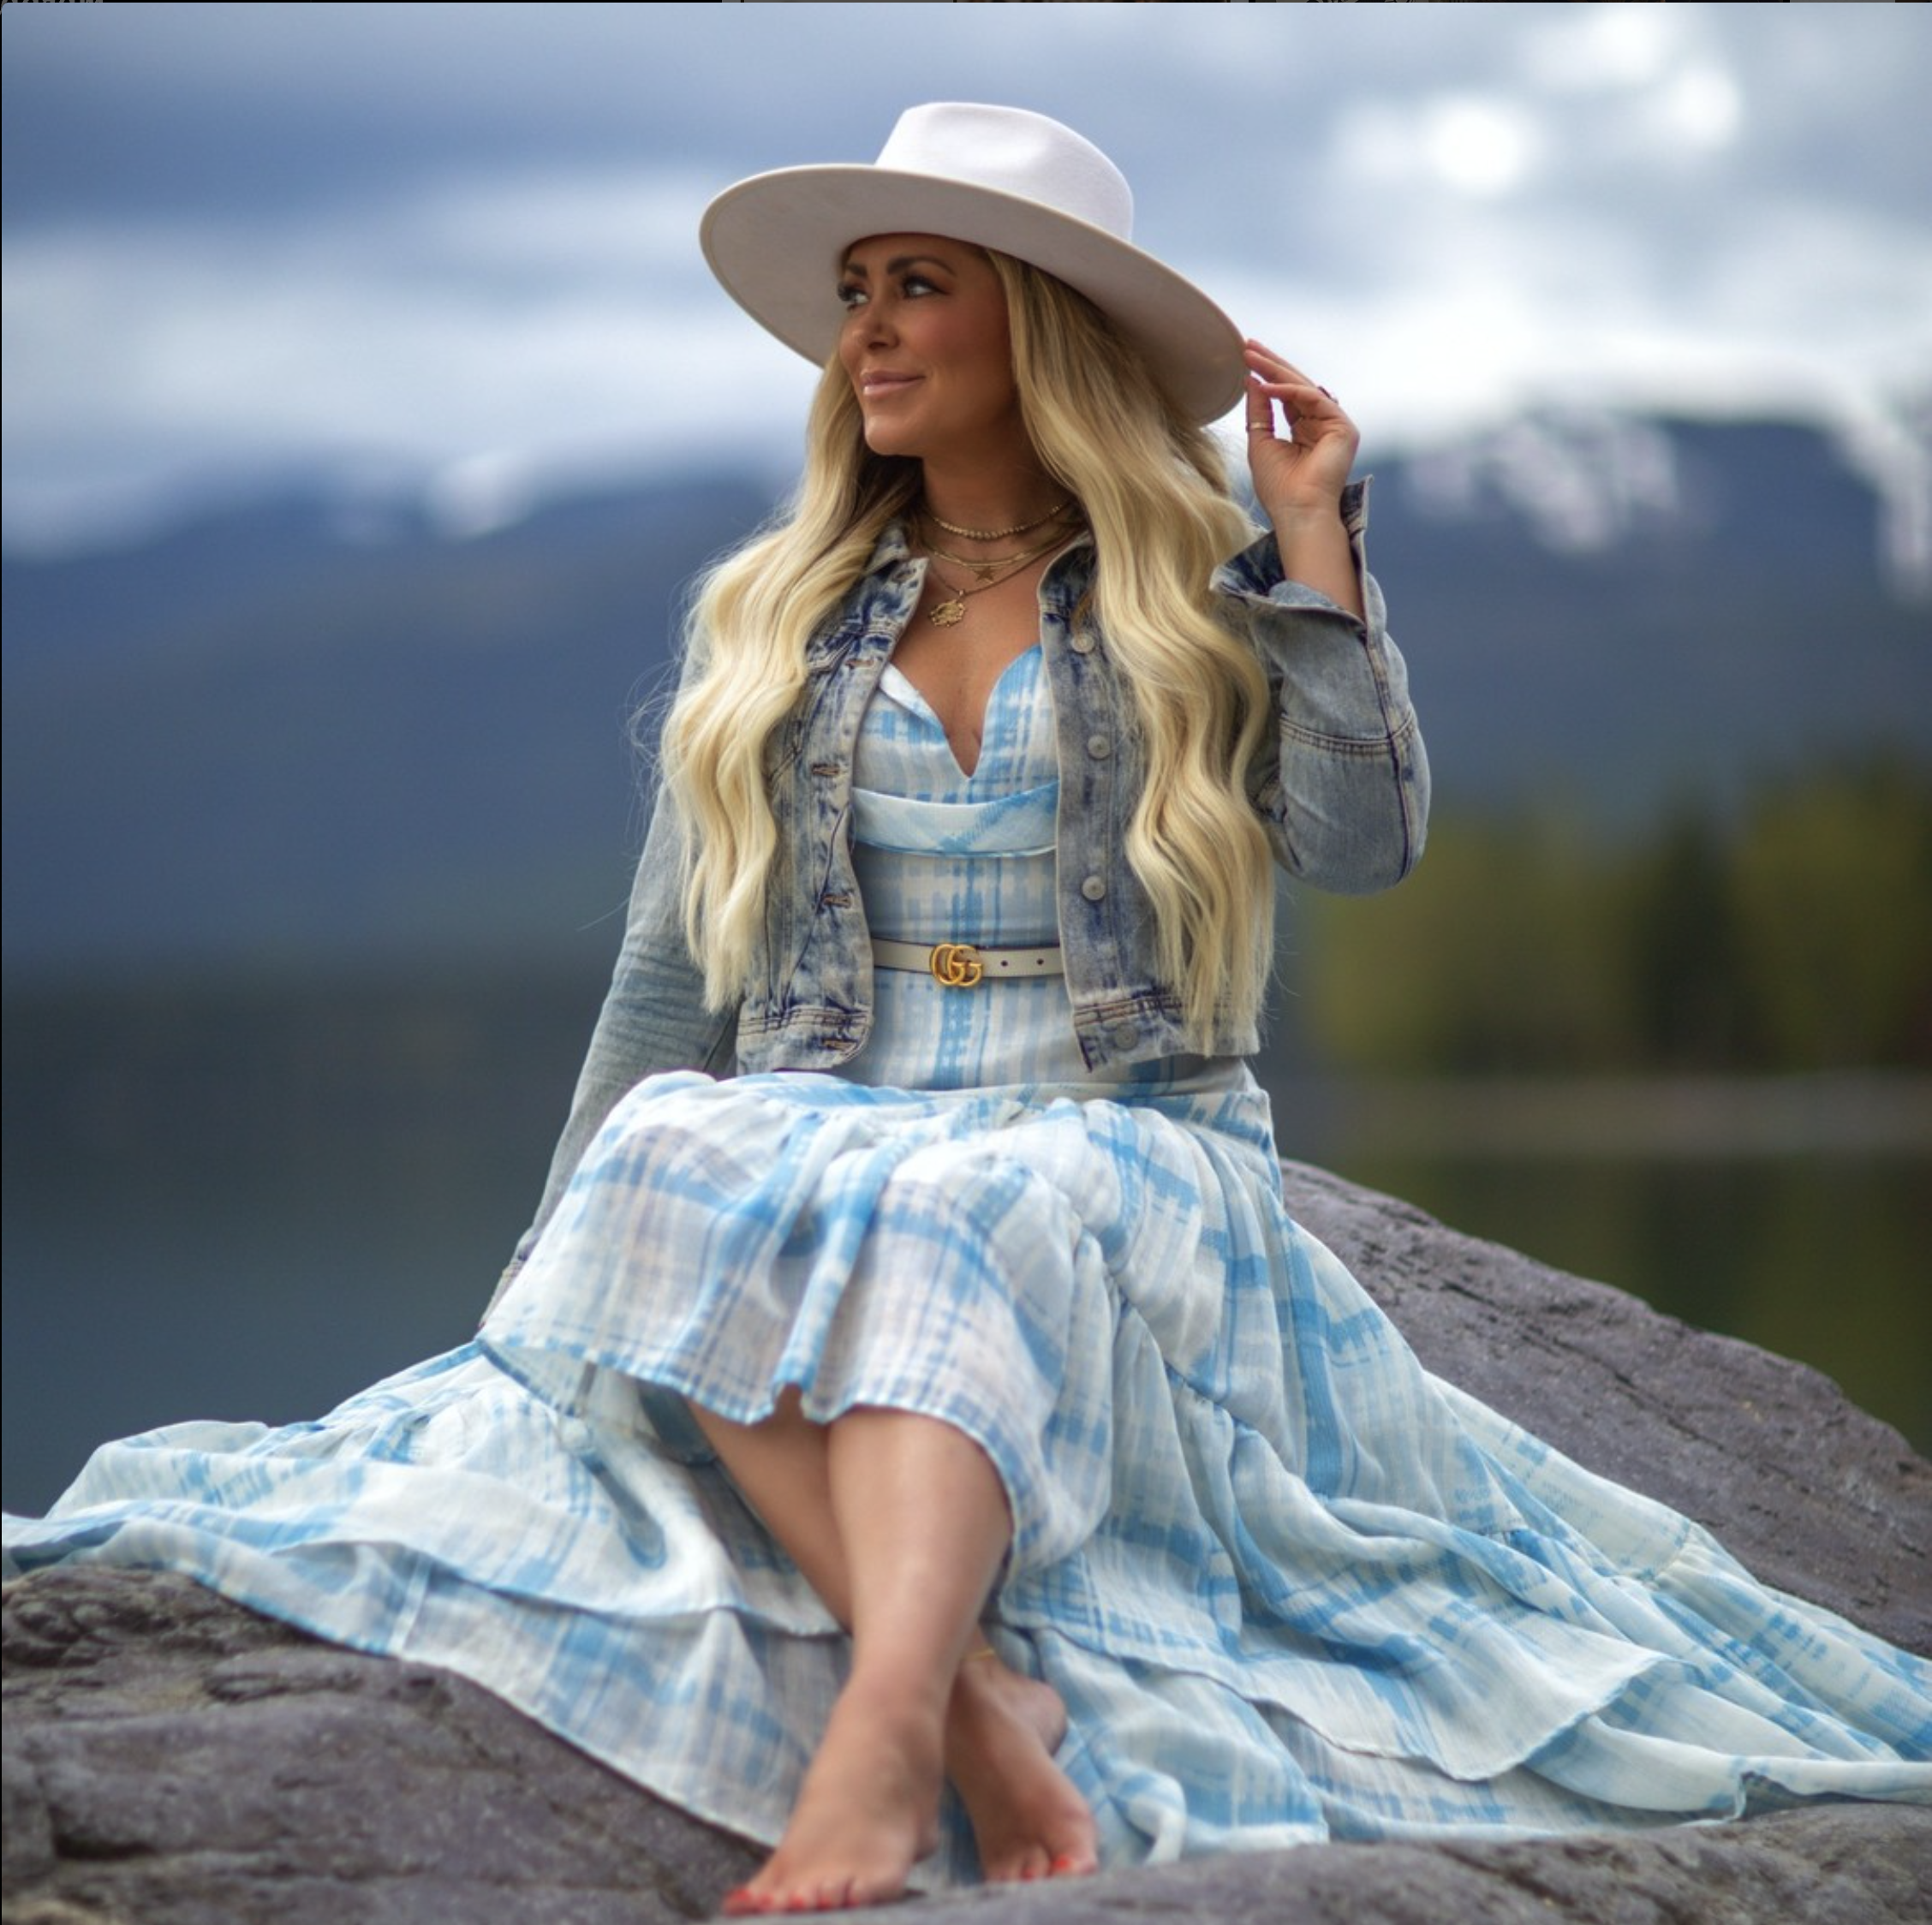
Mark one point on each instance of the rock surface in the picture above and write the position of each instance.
(171, 1759)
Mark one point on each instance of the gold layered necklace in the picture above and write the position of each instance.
(990, 570)
(951, 612)
(997, 534)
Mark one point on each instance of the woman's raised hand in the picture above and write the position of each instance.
(1300, 468)
(1299, 471)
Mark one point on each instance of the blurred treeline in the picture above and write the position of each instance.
(1790, 932)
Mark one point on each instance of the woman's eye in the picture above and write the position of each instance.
(850, 294)
(918, 284)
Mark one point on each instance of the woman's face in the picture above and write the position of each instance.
(925, 346)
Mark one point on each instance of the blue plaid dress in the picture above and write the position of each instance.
(1290, 1586)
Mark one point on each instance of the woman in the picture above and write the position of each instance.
(958, 1312)
(974, 412)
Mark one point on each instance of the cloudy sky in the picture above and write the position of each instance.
(453, 247)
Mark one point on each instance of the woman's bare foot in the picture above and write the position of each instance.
(867, 1813)
(1001, 1732)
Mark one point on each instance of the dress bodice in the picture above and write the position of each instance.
(943, 857)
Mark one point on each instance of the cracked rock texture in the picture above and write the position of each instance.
(171, 1759)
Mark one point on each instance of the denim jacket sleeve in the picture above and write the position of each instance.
(653, 1018)
(1345, 788)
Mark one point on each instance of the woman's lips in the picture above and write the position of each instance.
(875, 382)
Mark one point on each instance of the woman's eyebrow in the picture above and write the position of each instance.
(898, 264)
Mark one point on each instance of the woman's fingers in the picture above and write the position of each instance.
(1272, 379)
(1308, 407)
(1260, 408)
(1301, 401)
(1263, 361)
(1303, 464)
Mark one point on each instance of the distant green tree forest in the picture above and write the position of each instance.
(1793, 932)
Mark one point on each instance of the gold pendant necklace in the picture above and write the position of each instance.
(951, 612)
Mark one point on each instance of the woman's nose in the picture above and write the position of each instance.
(865, 327)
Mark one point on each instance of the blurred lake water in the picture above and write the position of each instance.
(247, 1204)
(1790, 1212)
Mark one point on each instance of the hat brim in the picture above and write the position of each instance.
(774, 242)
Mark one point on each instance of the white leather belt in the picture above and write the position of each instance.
(963, 965)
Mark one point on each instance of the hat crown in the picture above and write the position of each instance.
(1007, 149)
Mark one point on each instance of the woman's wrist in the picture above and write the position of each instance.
(1313, 545)
(1315, 516)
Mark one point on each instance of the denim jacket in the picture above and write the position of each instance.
(1343, 791)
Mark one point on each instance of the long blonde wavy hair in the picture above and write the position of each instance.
(1155, 489)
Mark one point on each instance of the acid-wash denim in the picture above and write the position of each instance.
(1343, 789)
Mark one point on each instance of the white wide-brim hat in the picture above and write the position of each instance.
(999, 177)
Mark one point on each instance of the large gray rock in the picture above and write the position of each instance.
(171, 1759)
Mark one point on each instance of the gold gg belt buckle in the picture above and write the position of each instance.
(955, 965)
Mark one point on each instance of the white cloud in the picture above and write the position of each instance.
(554, 323)
(1599, 49)
(1703, 107)
(1447, 213)
(1482, 146)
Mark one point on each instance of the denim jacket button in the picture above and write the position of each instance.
(1100, 746)
(1081, 641)
(1093, 889)
(1124, 1035)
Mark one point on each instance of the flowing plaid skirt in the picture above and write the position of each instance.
(1290, 1586)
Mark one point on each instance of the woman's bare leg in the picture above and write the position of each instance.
(921, 1520)
(1000, 1729)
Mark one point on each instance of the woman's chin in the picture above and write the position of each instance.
(885, 437)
